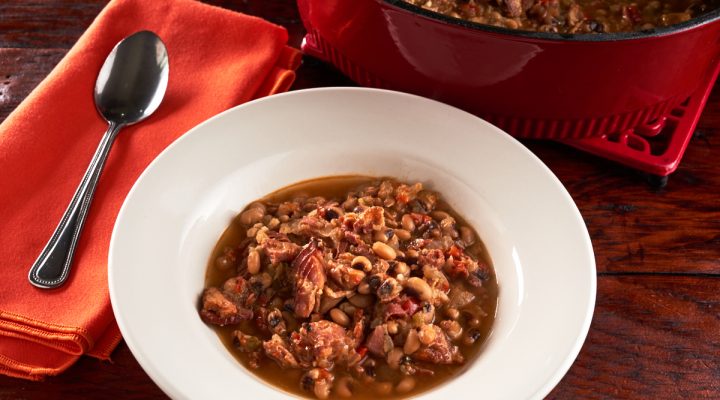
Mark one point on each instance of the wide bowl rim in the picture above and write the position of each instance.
(169, 388)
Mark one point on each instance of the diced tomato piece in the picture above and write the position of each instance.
(455, 251)
(410, 306)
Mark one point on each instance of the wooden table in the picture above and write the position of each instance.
(656, 328)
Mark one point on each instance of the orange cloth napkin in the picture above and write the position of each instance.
(218, 59)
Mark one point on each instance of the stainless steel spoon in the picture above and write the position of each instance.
(129, 88)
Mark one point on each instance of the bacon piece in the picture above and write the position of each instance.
(379, 343)
(278, 350)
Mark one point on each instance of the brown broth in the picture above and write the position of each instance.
(289, 379)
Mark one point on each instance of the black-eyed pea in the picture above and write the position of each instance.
(511, 23)
(339, 317)
(361, 300)
(262, 235)
(419, 287)
(402, 234)
(363, 288)
(328, 303)
(471, 337)
(441, 296)
(394, 357)
(253, 262)
(384, 251)
(380, 236)
(453, 313)
(252, 231)
(467, 235)
(383, 388)
(394, 242)
(405, 385)
(273, 223)
(343, 387)
(440, 215)
(427, 334)
(452, 329)
(392, 327)
(361, 263)
(252, 215)
(407, 223)
(412, 342)
(321, 390)
(347, 308)
(350, 203)
(427, 312)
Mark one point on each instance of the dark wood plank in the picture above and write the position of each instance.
(89, 378)
(635, 227)
(652, 337)
(45, 24)
(20, 71)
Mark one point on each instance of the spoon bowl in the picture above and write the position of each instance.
(130, 87)
(133, 79)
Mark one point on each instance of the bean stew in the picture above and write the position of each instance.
(351, 286)
(572, 16)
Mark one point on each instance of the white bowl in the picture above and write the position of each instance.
(185, 199)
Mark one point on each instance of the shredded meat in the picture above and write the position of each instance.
(372, 219)
(279, 250)
(277, 349)
(309, 276)
(343, 274)
(219, 310)
(322, 343)
(440, 351)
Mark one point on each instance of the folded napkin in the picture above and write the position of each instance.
(218, 59)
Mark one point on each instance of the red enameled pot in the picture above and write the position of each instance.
(531, 84)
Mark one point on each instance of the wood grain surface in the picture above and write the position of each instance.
(656, 329)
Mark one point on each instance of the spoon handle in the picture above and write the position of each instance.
(51, 268)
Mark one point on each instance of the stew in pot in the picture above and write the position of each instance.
(351, 287)
(572, 16)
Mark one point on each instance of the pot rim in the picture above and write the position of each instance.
(560, 37)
